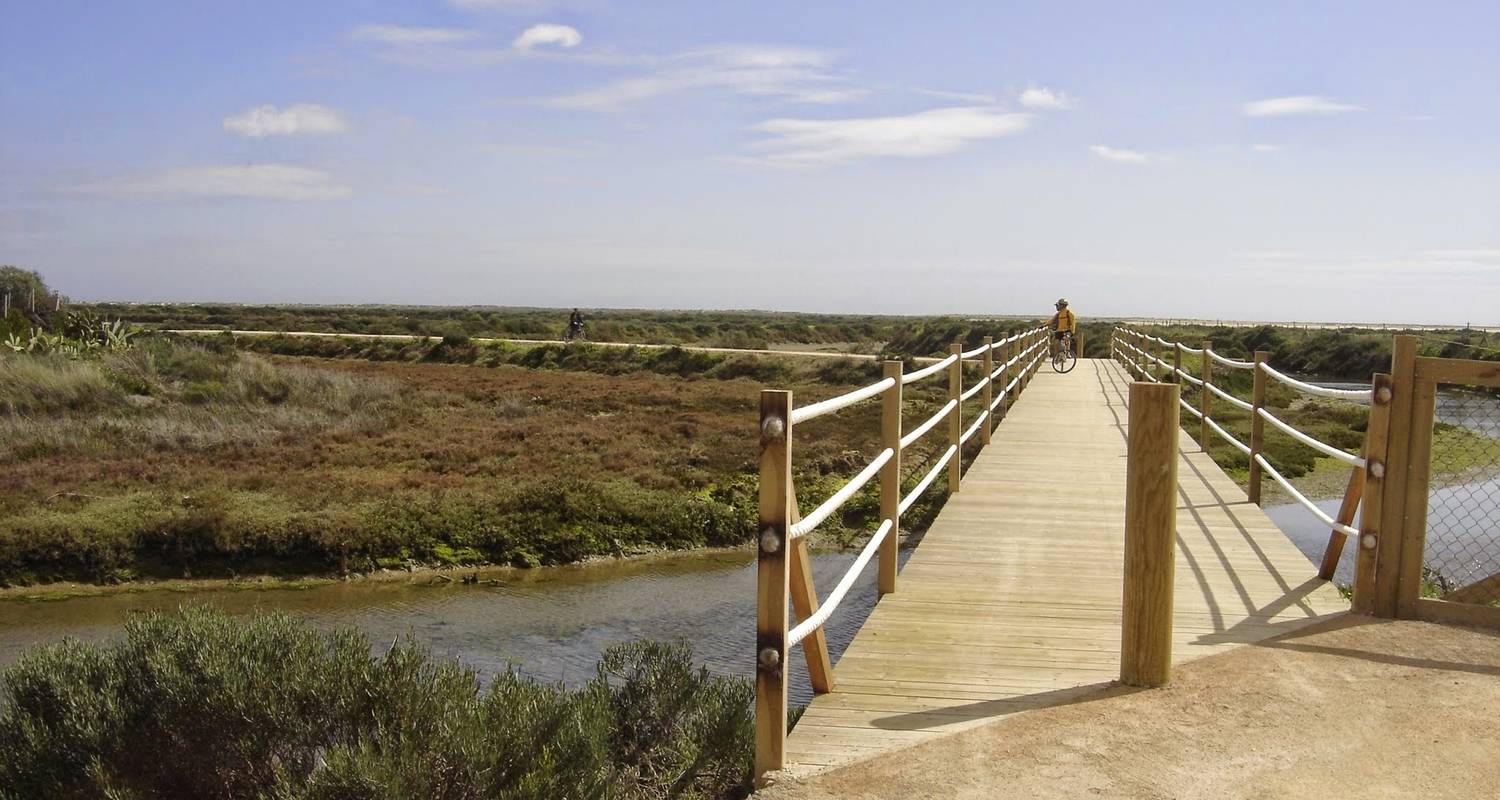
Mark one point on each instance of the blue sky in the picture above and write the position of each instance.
(1286, 161)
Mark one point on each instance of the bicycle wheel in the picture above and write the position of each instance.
(1063, 360)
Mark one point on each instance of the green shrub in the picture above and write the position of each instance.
(202, 704)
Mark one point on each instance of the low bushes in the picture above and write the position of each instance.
(552, 521)
(201, 704)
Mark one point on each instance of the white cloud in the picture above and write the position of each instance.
(1040, 97)
(788, 73)
(398, 36)
(545, 34)
(1298, 104)
(1266, 148)
(939, 131)
(261, 181)
(1121, 156)
(962, 97)
(303, 118)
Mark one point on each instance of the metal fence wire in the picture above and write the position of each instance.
(1462, 552)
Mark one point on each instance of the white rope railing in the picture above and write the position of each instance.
(909, 439)
(1229, 362)
(976, 352)
(1352, 395)
(1229, 398)
(973, 390)
(1188, 378)
(1238, 445)
(916, 492)
(1301, 498)
(1184, 348)
(973, 429)
(832, 404)
(829, 605)
(1189, 406)
(1326, 449)
(928, 371)
(808, 523)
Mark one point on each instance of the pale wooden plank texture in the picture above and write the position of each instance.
(1012, 600)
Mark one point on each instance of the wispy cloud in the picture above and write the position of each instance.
(1044, 99)
(547, 34)
(939, 131)
(788, 73)
(398, 36)
(259, 181)
(1302, 104)
(962, 97)
(297, 120)
(1266, 148)
(1120, 155)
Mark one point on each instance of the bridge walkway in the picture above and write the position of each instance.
(1012, 599)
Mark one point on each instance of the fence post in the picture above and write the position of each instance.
(1150, 534)
(1205, 396)
(1176, 363)
(773, 580)
(890, 476)
(987, 394)
(1417, 478)
(1398, 459)
(1257, 425)
(1371, 507)
(955, 417)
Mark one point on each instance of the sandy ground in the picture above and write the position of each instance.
(1355, 707)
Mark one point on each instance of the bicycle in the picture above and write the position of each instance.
(1063, 358)
(574, 333)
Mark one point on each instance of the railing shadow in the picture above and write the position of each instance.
(994, 709)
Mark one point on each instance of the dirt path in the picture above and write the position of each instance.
(404, 337)
(1352, 708)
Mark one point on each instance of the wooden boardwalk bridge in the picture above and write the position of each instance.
(1012, 599)
(1075, 551)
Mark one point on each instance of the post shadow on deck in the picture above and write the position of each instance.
(1150, 535)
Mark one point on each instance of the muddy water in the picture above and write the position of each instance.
(549, 623)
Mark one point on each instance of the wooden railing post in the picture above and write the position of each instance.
(890, 476)
(773, 579)
(1176, 364)
(987, 394)
(1205, 397)
(955, 417)
(1371, 504)
(1150, 534)
(1398, 461)
(1257, 425)
(1010, 371)
(1140, 352)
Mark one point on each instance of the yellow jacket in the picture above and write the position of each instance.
(1064, 320)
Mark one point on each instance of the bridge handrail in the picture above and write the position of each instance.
(1302, 498)
(1361, 395)
(1124, 344)
(835, 501)
(810, 412)
(916, 492)
(831, 603)
(1322, 447)
(782, 539)
(1229, 362)
(916, 433)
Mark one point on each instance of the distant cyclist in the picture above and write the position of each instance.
(575, 326)
(1063, 323)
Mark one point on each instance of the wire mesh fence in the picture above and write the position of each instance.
(1462, 552)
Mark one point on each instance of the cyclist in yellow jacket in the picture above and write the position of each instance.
(1063, 322)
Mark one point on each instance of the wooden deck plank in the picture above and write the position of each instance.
(1012, 599)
